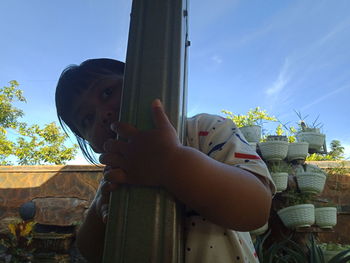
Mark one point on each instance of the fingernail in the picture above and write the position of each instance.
(157, 103)
(114, 126)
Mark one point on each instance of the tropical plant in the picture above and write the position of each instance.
(278, 167)
(254, 116)
(294, 197)
(304, 126)
(315, 253)
(289, 131)
(289, 251)
(17, 243)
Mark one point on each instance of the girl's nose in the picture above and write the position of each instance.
(107, 117)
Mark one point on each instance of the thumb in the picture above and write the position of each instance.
(159, 116)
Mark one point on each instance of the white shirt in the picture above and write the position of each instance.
(220, 139)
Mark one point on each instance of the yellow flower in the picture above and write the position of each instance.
(12, 228)
(28, 227)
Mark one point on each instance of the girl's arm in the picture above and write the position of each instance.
(91, 234)
(228, 196)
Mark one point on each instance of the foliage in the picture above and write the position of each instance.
(334, 246)
(278, 167)
(294, 197)
(335, 154)
(288, 131)
(289, 251)
(337, 151)
(339, 169)
(304, 126)
(28, 144)
(279, 130)
(253, 117)
(17, 242)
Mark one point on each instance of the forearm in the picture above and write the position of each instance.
(226, 195)
(90, 237)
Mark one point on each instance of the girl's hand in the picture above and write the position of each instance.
(145, 156)
(102, 198)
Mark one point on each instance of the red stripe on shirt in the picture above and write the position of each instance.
(246, 156)
(203, 133)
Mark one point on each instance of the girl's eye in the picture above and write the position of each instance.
(106, 93)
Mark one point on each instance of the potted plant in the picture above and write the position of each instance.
(334, 252)
(279, 135)
(17, 243)
(297, 151)
(326, 215)
(279, 173)
(260, 230)
(298, 212)
(311, 180)
(250, 124)
(310, 133)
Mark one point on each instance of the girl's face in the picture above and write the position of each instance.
(96, 109)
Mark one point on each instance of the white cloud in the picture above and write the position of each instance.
(216, 59)
(326, 96)
(336, 30)
(281, 81)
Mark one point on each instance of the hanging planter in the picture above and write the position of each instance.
(281, 181)
(302, 215)
(297, 151)
(273, 150)
(276, 138)
(251, 133)
(326, 217)
(310, 182)
(313, 138)
(260, 230)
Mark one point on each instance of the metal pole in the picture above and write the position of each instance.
(145, 223)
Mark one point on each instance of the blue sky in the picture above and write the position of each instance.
(279, 55)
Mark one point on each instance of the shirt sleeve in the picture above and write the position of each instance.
(220, 139)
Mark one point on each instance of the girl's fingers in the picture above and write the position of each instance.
(159, 116)
(106, 188)
(116, 176)
(113, 175)
(124, 130)
(114, 146)
(104, 213)
(114, 160)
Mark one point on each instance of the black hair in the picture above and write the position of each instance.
(74, 80)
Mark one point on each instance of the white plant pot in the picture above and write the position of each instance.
(298, 215)
(260, 230)
(297, 151)
(280, 180)
(311, 182)
(251, 133)
(326, 217)
(315, 140)
(274, 150)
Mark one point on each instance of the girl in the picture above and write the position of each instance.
(223, 182)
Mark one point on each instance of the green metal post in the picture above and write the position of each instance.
(145, 223)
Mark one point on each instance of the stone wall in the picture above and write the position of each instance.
(61, 193)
